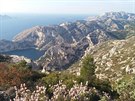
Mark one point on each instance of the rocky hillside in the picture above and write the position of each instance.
(66, 43)
(115, 58)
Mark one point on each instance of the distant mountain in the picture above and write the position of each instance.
(66, 43)
(5, 17)
(115, 16)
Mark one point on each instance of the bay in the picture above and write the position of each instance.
(30, 53)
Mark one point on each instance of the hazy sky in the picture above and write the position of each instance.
(66, 6)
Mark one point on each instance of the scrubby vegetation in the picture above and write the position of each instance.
(126, 88)
(16, 74)
(62, 85)
(88, 69)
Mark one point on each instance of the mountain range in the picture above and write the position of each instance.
(66, 43)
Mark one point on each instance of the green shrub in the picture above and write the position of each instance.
(126, 88)
(22, 63)
(51, 79)
(88, 69)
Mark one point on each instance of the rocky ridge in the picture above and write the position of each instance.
(66, 43)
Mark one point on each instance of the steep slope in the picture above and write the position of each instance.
(41, 37)
(61, 56)
(114, 58)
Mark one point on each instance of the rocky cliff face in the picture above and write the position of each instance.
(66, 43)
(61, 56)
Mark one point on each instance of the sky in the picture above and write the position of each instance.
(66, 6)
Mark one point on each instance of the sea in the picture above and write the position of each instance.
(17, 23)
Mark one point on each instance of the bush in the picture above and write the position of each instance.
(105, 86)
(11, 76)
(88, 69)
(23, 65)
(126, 88)
(102, 85)
(14, 75)
(51, 79)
